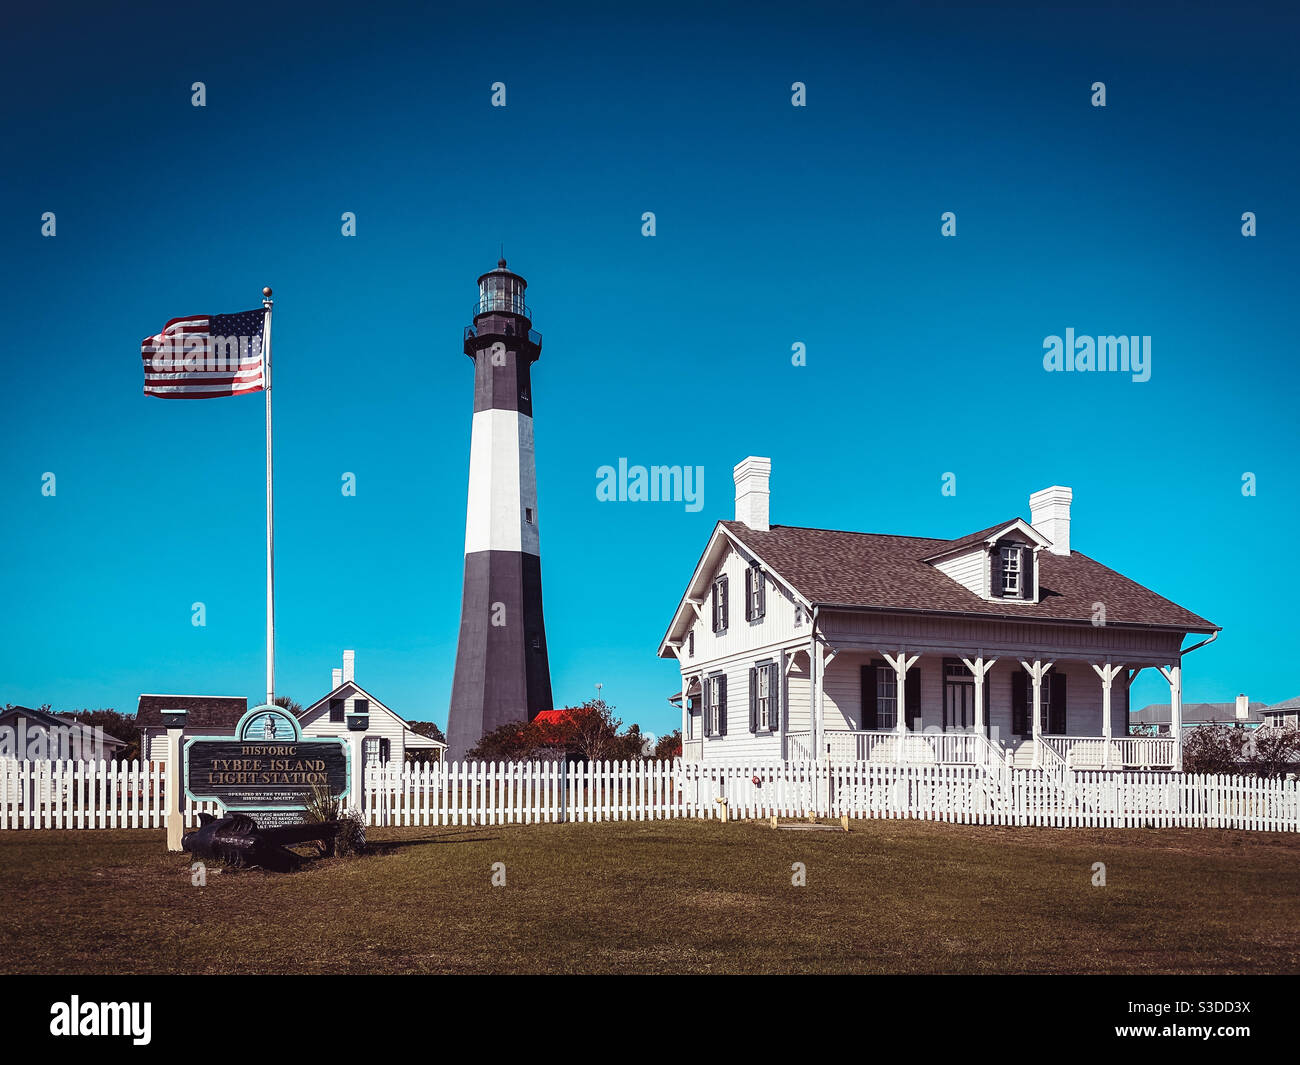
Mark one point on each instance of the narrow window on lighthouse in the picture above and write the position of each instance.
(528, 515)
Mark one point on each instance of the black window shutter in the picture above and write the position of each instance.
(717, 603)
(870, 717)
(749, 594)
(722, 604)
(1057, 721)
(1019, 703)
(706, 708)
(1027, 572)
(912, 687)
(773, 697)
(995, 572)
(753, 698)
(722, 705)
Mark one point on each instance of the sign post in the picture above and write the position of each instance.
(267, 770)
(357, 725)
(172, 796)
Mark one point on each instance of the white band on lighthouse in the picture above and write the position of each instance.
(502, 510)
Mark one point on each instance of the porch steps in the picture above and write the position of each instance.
(1023, 756)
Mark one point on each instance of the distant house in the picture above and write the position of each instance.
(388, 737)
(38, 734)
(1287, 712)
(1239, 712)
(207, 715)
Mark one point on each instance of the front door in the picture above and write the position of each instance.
(958, 698)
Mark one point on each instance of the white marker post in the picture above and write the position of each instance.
(174, 792)
(267, 304)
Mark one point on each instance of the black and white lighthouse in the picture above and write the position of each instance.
(502, 672)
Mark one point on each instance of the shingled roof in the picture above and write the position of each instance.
(885, 572)
(1196, 714)
(221, 713)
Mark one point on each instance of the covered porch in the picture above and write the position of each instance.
(973, 748)
(1008, 709)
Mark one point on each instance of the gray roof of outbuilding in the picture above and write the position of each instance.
(1195, 713)
(203, 711)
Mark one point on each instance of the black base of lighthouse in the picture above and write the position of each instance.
(502, 672)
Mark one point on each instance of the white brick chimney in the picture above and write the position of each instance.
(1243, 708)
(751, 491)
(349, 661)
(1049, 513)
(336, 678)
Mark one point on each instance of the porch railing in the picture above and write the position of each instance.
(1126, 752)
(972, 748)
(889, 745)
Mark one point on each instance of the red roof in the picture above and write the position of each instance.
(551, 717)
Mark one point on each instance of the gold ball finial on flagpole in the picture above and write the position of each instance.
(267, 292)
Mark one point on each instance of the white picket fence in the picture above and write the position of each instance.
(83, 795)
(44, 794)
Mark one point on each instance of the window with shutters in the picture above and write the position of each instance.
(336, 711)
(690, 644)
(712, 703)
(756, 589)
(765, 697)
(720, 604)
(886, 698)
(1011, 571)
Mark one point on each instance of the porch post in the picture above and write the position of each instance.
(1107, 673)
(1176, 712)
(1036, 673)
(817, 710)
(901, 663)
(979, 668)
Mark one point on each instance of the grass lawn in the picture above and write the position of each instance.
(666, 897)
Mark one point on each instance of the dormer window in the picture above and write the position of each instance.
(1011, 573)
(1011, 582)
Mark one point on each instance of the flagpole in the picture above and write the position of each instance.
(267, 304)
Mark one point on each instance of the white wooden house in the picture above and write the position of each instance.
(388, 737)
(1006, 646)
(1283, 714)
(26, 733)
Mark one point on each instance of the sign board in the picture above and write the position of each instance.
(267, 769)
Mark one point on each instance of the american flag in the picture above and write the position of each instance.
(205, 356)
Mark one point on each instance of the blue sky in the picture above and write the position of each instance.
(775, 225)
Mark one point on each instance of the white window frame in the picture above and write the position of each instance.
(755, 593)
(1012, 572)
(764, 697)
(711, 704)
(886, 698)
